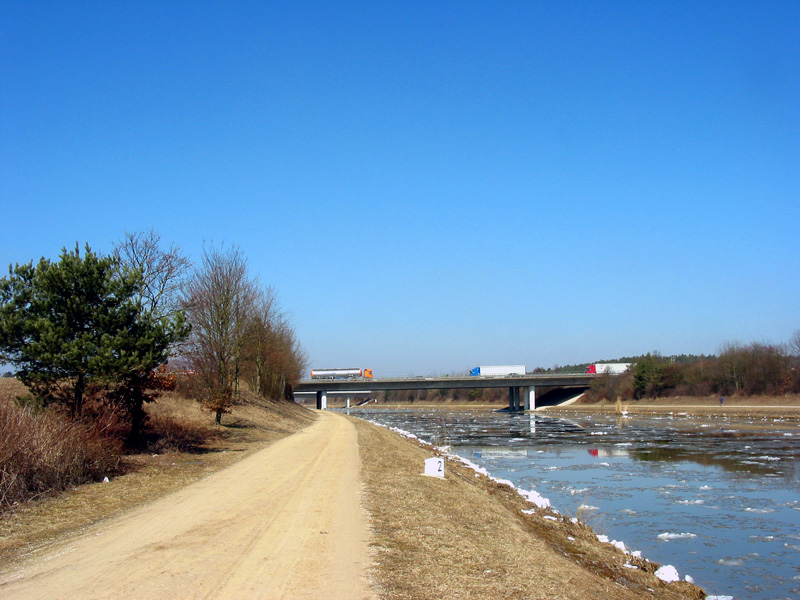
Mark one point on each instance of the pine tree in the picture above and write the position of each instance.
(77, 321)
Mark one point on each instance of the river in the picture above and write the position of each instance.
(718, 498)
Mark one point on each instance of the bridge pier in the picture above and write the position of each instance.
(521, 398)
(530, 397)
(322, 400)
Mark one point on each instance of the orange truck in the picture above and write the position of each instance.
(341, 374)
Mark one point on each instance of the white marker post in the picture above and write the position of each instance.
(434, 467)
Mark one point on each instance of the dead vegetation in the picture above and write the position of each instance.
(466, 537)
(41, 453)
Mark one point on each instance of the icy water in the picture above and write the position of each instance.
(717, 498)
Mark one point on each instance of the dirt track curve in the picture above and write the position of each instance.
(285, 522)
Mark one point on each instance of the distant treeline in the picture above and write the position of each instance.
(681, 359)
(739, 369)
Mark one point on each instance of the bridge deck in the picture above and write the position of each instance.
(440, 383)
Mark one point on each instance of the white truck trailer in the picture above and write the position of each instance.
(498, 371)
(609, 368)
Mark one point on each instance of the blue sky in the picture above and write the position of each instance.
(429, 186)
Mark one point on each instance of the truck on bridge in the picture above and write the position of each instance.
(608, 368)
(498, 371)
(354, 373)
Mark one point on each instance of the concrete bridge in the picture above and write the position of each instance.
(521, 388)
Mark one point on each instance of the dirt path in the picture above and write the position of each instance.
(285, 522)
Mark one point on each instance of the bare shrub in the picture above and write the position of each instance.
(608, 387)
(42, 452)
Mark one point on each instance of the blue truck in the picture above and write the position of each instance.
(498, 371)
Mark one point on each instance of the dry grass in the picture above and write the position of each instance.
(11, 388)
(250, 427)
(466, 537)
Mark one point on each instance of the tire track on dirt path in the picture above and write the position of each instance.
(286, 522)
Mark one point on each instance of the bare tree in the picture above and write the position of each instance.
(219, 302)
(273, 356)
(163, 271)
(259, 339)
(287, 360)
(731, 366)
(794, 343)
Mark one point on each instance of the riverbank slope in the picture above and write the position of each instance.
(466, 536)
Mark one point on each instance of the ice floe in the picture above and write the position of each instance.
(730, 562)
(666, 536)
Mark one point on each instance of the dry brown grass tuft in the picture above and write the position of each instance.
(466, 537)
(11, 388)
